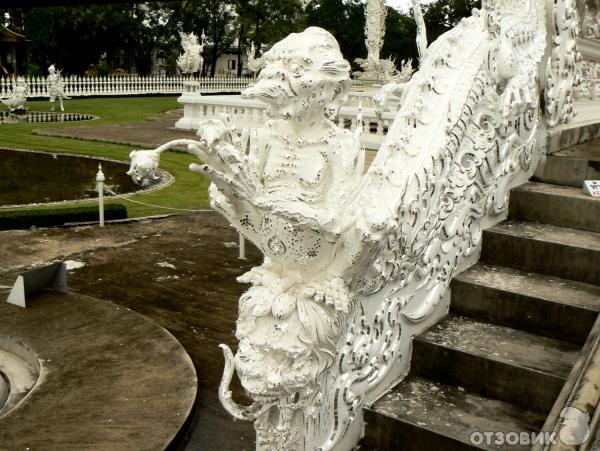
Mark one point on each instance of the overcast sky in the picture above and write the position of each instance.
(404, 5)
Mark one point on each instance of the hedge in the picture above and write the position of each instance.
(24, 219)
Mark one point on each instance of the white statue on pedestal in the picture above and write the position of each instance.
(356, 265)
(56, 87)
(253, 61)
(191, 60)
(374, 68)
(18, 96)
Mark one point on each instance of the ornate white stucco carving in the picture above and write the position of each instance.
(562, 68)
(356, 265)
(421, 29)
(589, 87)
(18, 96)
(56, 87)
(374, 68)
(191, 60)
(591, 23)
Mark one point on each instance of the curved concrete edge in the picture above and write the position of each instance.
(110, 378)
(167, 179)
(21, 368)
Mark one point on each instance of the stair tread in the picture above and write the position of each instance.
(551, 189)
(540, 286)
(452, 411)
(586, 151)
(549, 233)
(503, 344)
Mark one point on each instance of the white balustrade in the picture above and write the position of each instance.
(77, 86)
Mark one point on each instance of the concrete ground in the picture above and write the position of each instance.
(109, 378)
(178, 271)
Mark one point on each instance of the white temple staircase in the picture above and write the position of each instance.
(518, 321)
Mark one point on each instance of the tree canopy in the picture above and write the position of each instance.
(104, 38)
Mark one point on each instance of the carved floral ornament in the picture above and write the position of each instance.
(356, 265)
(589, 88)
(591, 23)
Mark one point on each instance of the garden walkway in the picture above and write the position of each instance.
(148, 134)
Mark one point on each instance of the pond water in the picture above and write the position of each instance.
(42, 116)
(32, 177)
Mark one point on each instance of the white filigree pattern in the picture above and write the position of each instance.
(591, 23)
(562, 68)
(589, 87)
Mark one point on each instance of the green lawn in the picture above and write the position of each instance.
(189, 190)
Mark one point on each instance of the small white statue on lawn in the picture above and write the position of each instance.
(18, 97)
(191, 60)
(56, 87)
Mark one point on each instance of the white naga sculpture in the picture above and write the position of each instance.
(374, 68)
(56, 87)
(191, 60)
(144, 167)
(18, 96)
(356, 265)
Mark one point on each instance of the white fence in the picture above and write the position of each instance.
(76, 86)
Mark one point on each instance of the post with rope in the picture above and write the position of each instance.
(100, 187)
(242, 242)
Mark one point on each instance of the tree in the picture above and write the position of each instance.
(345, 20)
(443, 15)
(265, 22)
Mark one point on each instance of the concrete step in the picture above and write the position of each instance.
(514, 366)
(546, 249)
(537, 303)
(424, 415)
(564, 206)
(571, 166)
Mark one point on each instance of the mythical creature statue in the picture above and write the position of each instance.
(56, 87)
(191, 60)
(356, 265)
(18, 97)
(253, 61)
